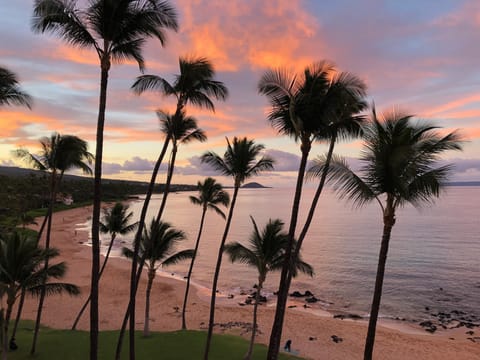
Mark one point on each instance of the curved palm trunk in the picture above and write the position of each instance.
(97, 198)
(285, 278)
(190, 270)
(217, 272)
(133, 274)
(388, 222)
(82, 310)
(19, 314)
(44, 280)
(248, 356)
(166, 191)
(151, 276)
(8, 315)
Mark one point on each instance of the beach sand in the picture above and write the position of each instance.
(311, 334)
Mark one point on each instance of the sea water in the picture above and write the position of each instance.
(433, 261)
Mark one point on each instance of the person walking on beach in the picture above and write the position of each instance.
(288, 346)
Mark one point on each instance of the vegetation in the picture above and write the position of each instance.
(239, 162)
(158, 247)
(10, 92)
(73, 345)
(310, 106)
(211, 194)
(266, 253)
(400, 166)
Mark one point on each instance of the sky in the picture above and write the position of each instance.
(418, 56)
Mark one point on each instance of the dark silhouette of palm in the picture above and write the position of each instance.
(266, 253)
(210, 195)
(239, 162)
(10, 92)
(60, 153)
(400, 166)
(22, 270)
(308, 106)
(116, 220)
(158, 249)
(116, 31)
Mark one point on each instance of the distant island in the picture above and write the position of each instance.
(255, 185)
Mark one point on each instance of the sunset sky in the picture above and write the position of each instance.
(420, 56)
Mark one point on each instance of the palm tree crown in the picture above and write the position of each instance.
(10, 93)
(211, 194)
(117, 220)
(240, 160)
(194, 84)
(180, 128)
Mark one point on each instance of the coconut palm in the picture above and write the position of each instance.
(10, 92)
(116, 220)
(22, 268)
(210, 195)
(158, 247)
(182, 129)
(306, 107)
(239, 162)
(400, 166)
(195, 85)
(117, 31)
(60, 153)
(266, 253)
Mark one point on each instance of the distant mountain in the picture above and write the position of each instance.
(254, 185)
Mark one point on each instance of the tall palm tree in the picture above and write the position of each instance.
(196, 85)
(10, 92)
(116, 220)
(182, 130)
(22, 268)
(240, 162)
(266, 253)
(158, 247)
(305, 106)
(210, 195)
(400, 166)
(60, 153)
(117, 31)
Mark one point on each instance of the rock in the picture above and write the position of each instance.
(470, 332)
(311, 338)
(308, 293)
(311, 300)
(292, 306)
(336, 339)
(231, 296)
(427, 308)
(296, 294)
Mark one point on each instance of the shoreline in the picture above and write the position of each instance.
(311, 335)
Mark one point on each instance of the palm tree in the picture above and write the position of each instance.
(239, 162)
(117, 31)
(266, 253)
(60, 153)
(399, 167)
(210, 195)
(306, 107)
(194, 85)
(158, 246)
(22, 268)
(116, 220)
(10, 93)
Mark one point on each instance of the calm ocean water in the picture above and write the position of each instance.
(433, 261)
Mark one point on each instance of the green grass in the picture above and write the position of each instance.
(178, 345)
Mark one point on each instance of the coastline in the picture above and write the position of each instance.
(310, 330)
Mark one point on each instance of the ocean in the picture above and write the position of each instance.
(433, 262)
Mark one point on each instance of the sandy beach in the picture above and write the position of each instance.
(311, 334)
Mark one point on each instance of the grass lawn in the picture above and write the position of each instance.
(178, 345)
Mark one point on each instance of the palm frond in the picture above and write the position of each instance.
(179, 256)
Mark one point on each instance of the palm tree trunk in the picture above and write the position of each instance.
(19, 314)
(47, 246)
(217, 272)
(82, 310)
(151, 276)
(8, 314)
(190, 270)
(248, 356)
(133, 274)
(388, 222)
(166, 191)
(97, 198)
(285, 278)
